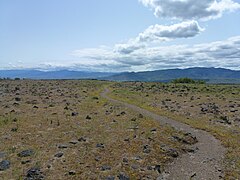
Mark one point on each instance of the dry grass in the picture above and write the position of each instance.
(42, 120)
(214, 108)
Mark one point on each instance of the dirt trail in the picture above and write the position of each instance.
(204, 164)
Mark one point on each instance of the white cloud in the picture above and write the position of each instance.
(190, 9)
(163, 33)
(216, 54)
(159, 33)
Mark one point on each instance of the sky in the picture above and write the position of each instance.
(119, 35)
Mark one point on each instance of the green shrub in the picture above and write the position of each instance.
(187, 81)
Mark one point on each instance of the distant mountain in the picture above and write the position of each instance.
(61, 74)
(218, 75)
(211, 75)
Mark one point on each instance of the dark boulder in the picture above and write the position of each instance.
(4, 165)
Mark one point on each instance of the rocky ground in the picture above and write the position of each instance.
(66, 130)
(213, 108)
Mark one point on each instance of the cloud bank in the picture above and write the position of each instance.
(216, 54)
(190, 9)
(160, 33)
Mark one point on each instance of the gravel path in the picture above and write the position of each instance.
(204, 164)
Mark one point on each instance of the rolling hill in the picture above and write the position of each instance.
(212, 75)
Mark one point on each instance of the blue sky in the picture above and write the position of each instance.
(120, 35)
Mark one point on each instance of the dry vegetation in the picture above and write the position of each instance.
(65, 130)
(214, 108)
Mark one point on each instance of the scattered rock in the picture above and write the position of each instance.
(34, 174)
(153, 130)
(73, 142)
(97, 158)
(59, 154)
(157, 168)
(123, 113)
(134, 166)
(110, 178)
(74, 113)
(146, 149)
(25, 162)
(125, 160)
(187, 138)
(72, 173)
(15, 120)
(18, 99)
(88, 117)
(101, 145)
(4, 165)
(105, 168)
(137, 158)
(193, 175)
(190, 150)
(26, 153)
(224, 120)
(123, 176)
(82, 139)
(62, 146)
(14, 129)
(172, 152)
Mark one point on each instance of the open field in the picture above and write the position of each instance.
(65, 130)
(214, 108)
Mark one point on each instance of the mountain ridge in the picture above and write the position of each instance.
(215, 75)
(202, 73)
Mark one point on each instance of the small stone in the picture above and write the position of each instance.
(58, 155)
(26, 153)
(123, 113)
(153, 130)
(150, 168)
(123, 176)
(97, 158)
(14, 129)
(25, 162)
(134, 167)
(72, 173)
(172, 153)
(74, 113)
(157, 168)
(73, 142)
(15, 120)
(105, 168)
(34, 174)
(82, 139)
(4, 165)
(101, 145)
(193, 175)
(62, 146)
(138, 158)
(146, 149)
(125, 160)
(17, 99)
(110, 178)
(88, 117)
